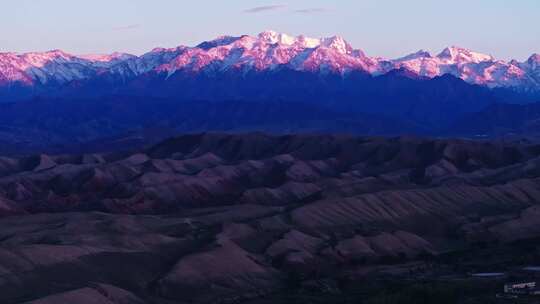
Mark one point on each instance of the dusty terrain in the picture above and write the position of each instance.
(216, 218)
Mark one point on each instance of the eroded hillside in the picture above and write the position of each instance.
(226, 218)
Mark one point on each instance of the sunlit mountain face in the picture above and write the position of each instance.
(269, 51)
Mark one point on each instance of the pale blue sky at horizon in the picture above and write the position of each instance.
(503, 28)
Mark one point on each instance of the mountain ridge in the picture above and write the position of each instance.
(268, 50)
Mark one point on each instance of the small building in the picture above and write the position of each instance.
(520, 288)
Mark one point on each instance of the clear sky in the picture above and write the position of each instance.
(503, 28)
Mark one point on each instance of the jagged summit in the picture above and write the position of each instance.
(337, 43)
(459, 54)
(267, 51)
(273, 37)
(334, 42)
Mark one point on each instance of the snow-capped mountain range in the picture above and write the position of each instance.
(265, 52)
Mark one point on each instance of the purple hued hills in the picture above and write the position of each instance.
(268, 169)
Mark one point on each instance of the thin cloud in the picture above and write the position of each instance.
(265, 8)
(313, 10)
(127, 27)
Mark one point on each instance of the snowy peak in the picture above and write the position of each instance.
(272, 37)
(54, 66)
(307, 42)
(267, 51)
(41, 59)
(336, 42)
(460, 55)
(49, 54)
